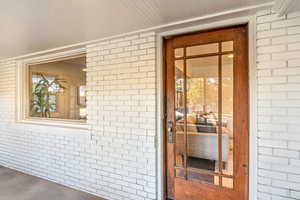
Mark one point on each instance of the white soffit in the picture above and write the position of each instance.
(29, 26)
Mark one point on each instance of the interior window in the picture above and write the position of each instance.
(58, 89)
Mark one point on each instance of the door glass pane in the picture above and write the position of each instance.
(178, 53)
(179, 113)
(202, 177)
(227, 46)
(202, 49)
(202, 114)
(227, 113)
(180, 172)
(227, 182)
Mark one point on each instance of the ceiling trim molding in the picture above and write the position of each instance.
(155, 28)
(281, 7)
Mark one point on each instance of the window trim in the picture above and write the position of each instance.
(23, 101)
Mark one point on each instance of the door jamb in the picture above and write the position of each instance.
(160, 102)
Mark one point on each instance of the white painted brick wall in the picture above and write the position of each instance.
(119, 162)
(278, 73)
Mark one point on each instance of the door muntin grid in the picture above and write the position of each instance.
(204, 113)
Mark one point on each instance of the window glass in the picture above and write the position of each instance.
(58, 89)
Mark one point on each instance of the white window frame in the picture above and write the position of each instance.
(22, 111)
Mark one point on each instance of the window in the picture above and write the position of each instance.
(57, 90)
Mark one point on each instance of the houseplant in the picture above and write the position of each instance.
(45, 87)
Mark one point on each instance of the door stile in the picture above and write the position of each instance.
(170, 99)
(185, 116)
(220, 113)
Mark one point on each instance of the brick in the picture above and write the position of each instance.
(286, 23)
(272, 111)
(263, 196)
(285, 87)
(286, 103)
(139, 41)
(294, 145)
(294, 30)
(268, 18)
(285, 184)
(295, 162)
(271, 33)
(272, 80)
(264, 181)
(294, 111)
(286, 71)
(286, 55)
(286, 153)
(272, 95)
(294, 63)
(264, 57)
(294, 95)
(265, 151)
(262, 27)
(295, 46)
(285, 39)
(272, 174)
(272, 190)
(271, 64)
(265, 72)
(295, 194)
(272, 143)
(264, 88)
(271, 49)
(293, 15)
(274, 160)
(294, 178)
(286, 168)
(263, 42)
(293, 131)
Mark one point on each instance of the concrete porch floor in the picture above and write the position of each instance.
(18, 186)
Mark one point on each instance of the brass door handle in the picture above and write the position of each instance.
(170, 135)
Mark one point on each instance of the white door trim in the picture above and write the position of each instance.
(251, 21)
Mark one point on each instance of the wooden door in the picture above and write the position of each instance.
(207, 115)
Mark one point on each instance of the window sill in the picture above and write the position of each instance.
(56, 123)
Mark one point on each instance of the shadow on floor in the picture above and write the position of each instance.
(18, 186)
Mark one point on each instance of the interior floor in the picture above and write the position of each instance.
(15, 185)
(210, 165)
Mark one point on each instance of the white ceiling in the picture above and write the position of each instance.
(28, 26)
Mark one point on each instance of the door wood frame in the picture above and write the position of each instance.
(251, 21)
(188, 189)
